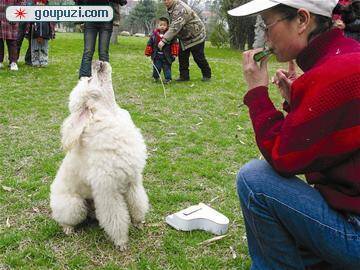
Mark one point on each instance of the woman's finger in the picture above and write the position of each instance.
(264, 62)
(292, 67)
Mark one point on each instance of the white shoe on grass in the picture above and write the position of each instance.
(13, 66)
(1, 65)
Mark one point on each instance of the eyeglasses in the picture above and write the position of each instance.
(265, 27)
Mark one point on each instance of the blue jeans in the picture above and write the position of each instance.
(290, 226)
(161, 63)
(91, 30)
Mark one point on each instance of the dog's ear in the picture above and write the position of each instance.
(73, 127)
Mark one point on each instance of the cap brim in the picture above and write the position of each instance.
(252, 7)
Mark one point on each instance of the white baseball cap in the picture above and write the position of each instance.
(321, 7)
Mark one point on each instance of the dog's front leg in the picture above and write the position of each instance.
(112, 213)
(137, 201)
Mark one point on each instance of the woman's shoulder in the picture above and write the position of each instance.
(338, 74)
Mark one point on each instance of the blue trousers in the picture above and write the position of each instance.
(289, 225)
(161, 64)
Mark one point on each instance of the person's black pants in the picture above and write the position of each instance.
(198, 54)
(12, 50)
(21, 36)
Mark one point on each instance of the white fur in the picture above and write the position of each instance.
(106, 155)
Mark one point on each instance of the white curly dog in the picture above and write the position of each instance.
(106, 155)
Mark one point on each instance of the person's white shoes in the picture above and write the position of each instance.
(1, 65)
(13, 66)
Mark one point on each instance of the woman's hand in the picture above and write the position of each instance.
(283, 80)
(255, 75)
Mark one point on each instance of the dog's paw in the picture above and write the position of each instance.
(68, 230)
(140, 225)
(121, 246)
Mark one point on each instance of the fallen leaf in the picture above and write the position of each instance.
(8, 223)
(212, 239)
(160, 120)
(155, 225)
(9, 189)
(233, 252)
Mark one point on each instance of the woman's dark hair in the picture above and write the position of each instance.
(323, 23)
(164, 19)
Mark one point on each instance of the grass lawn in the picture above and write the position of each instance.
(198, 136)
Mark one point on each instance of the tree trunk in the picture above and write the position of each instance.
(116, 23)
(115, 34)
(241, 29)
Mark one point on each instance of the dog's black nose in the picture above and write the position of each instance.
(101, 66)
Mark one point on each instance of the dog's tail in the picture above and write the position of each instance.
(74, 126)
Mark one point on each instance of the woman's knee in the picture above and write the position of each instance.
(251, 175)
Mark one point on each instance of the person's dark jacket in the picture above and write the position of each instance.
(170, 50)
(352, 21)
(43, 30)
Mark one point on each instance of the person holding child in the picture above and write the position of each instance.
(162, 58)
(190, 30)
(291, 224)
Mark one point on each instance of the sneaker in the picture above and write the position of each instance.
(83, 78)
(182, 79)
(167, 81)
(156, 80)
(13, 66)
(206, 79)
(1, 65)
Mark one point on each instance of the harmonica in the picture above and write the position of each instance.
(260, 55)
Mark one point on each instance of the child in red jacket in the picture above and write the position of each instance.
(162, 59)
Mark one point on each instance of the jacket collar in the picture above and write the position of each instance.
(323, 46)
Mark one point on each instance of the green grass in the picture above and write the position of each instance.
(197, 137)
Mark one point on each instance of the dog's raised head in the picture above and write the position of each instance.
(89, 95)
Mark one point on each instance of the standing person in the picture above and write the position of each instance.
(352, 20)
(187, 26)
(162, 59)
(8, 35)
(21, 36)
(290, 224)
(91, 31)
(40, 33)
